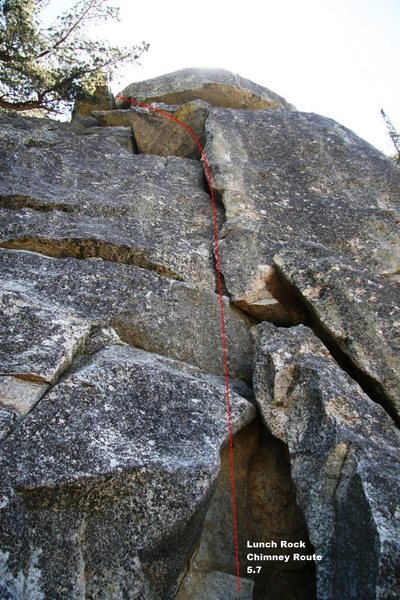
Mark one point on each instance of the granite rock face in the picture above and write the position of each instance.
(344, 452)
(68, 193)
(46, 342)
(314, 209)
(153, 452)
(87, 277)
(116, 468)
(288, 177)
(357, 314)
(38, 343)
(155, 313)
(217, 87)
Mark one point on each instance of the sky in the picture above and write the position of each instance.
(337, 58)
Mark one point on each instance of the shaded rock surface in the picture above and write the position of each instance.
(344, 453)
(119, 117)
(152, 452)
(218, 87)
(102, 99)
(204, 586)
(266, 510)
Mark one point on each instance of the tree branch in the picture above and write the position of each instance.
(66, 35)
(62, 83)
(74, 63)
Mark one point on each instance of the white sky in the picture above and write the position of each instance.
(338, 58)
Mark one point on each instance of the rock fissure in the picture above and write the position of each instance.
(337, 438)
(83, 571)
(267, 510)
(89, 249)
(17, 202)
(296, 304)
(135, 147)
(341, 351)
(369, 385)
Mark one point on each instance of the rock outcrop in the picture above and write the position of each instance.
(218, 87)
(344, 451)
(115, 451)
(102, 99)
(127, 433)
(155, 134)
(357, 315)
(290, 177)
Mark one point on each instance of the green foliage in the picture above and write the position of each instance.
(393, 134)
(48, 68)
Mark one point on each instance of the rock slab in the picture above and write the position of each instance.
(290, 177)
(129, 433)
(71, 192)
(147, 310)
(162, 129)
(344, 453)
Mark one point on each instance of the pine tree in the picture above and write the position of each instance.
(393, 134)
(49, 67)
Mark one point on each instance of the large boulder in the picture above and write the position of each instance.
(311, 227)
(218, 87)
(108, 480)
(344, 451)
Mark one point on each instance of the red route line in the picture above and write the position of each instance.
(221, 311)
